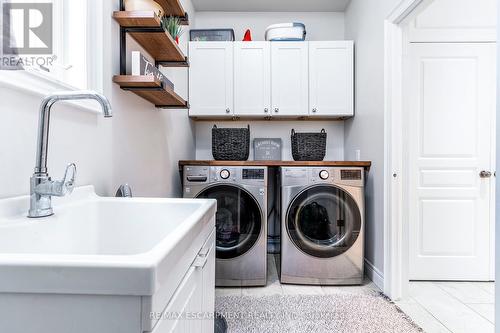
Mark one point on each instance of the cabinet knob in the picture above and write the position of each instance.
(228, 110)
(266, 110)
(314, 110)
(485, 174)
(276, 110)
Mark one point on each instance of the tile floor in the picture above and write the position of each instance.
(438, 307)
(451, 307)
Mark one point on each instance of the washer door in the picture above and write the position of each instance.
(238, 219)
(323, 221)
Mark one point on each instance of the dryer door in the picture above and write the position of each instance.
(238, 219)
(323, 221)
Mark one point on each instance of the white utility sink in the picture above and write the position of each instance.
(95, 244)
(106, 265)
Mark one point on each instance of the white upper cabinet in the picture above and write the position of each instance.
(252, 78)
(331, 79)
(289, 79)
(211, 79)
(271, 79)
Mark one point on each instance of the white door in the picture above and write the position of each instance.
(252, 78)
(331, 79)
(211, 79)
(289, 78)
(451, 122)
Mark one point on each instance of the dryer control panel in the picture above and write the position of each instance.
(199, 175)
(350, 176)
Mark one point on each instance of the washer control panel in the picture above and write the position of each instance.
(194, 175)
(253, 173)
(350, 174)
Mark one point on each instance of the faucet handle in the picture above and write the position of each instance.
(68, 182)
(58, 188)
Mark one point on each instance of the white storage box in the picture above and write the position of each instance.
(286, 32)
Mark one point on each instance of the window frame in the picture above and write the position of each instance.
(39, 83)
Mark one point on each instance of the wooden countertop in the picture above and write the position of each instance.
(364, 164)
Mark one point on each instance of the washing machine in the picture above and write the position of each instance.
(241, 219)
(322, 225)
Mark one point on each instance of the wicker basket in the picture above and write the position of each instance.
(308, 146)
(231, 144)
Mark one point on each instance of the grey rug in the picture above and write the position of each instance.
(337, 313)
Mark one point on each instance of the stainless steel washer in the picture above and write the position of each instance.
(322, 225)
(241, 219)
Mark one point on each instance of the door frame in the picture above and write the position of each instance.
(396, 251)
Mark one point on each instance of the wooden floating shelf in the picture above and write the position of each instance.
(144, 27)
(160, 45)
(150, 88)
(364, 164)
(137, 19)
(172, 7)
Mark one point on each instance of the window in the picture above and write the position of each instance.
(76, 58)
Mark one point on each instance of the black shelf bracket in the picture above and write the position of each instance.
(123, 56)
(123, 49)
(184, 63)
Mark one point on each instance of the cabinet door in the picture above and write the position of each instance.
(187, 300)
(211, 79)
(289, 79)
(252, 78)
(195, 296)
(331, 78)
(208, 282)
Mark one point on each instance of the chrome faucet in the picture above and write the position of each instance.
(42, 187)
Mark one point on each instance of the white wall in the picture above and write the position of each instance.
(149, 142)
(364, 23)
(319, 26)
(75, 136)
(139, 145)
(274, 129)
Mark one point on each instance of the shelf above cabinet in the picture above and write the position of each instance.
(145, 28)
(150, 88)
(172, 8)
(140, 18)
(159, 44)
(146, 18)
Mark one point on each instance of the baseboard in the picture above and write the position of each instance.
(374, 274)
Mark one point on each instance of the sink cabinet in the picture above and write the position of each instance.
(61, 313)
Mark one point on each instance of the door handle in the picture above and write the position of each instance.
(485, 174)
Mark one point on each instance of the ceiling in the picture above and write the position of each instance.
(271, 5)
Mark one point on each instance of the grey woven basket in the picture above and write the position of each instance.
(231, 144)
(308, 146)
